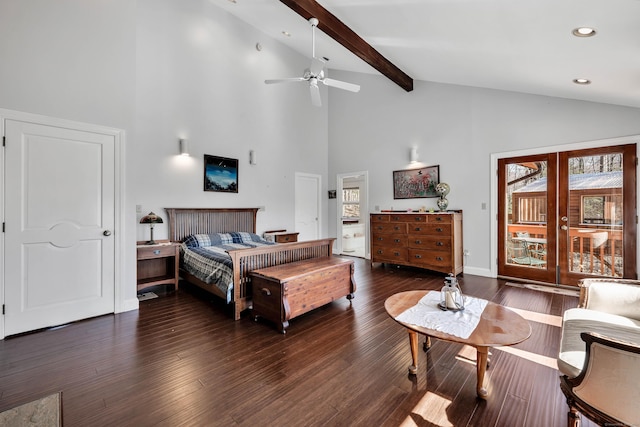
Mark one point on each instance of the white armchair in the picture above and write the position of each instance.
(599, 355)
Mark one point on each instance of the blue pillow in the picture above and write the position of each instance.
(215, 239)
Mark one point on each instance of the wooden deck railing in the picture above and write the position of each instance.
(593, 250)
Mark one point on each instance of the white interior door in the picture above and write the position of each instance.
(59, 223)
(307, 209)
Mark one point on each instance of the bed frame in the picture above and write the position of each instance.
(186, 221)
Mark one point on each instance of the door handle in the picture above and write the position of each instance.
(106, 233)
(564, 227)
(564, 218)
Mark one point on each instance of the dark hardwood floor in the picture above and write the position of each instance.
(182, 361)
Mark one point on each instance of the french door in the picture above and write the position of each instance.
(568, 215)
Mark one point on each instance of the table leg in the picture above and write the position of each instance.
(413, 341)
(481, 365)
(427, 343)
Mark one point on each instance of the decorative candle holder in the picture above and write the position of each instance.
(451, 298)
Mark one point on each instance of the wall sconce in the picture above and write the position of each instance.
(252, 157)
(414, 154)
(184, 147)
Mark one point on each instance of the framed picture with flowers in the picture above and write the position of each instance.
(416, 183)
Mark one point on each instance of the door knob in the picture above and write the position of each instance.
(106, 233)
(564, 218)
(564, 227)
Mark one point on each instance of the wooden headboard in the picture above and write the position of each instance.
(186, 221)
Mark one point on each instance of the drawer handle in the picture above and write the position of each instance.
(418, 229)
(379, 252)
(418, 256)
(418, 242)
(380, 239)
(439, 230)
(439, 244)
(396, 218)
(418, 218)
(438, 218)
(156, 252)
(396, 253)
(438, 258)
(266, 291)
(396, 228)
(397, 240)
(379, 227)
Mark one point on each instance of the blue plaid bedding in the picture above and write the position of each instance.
(205, 256)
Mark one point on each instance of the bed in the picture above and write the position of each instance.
(185, 222)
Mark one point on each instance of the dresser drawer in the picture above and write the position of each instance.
(389, 240)
(433, 243)
(408, 218)
(430, 258)
(395, 228)
(439, 219)
(386, 254)
(379, 218)
(430, 229)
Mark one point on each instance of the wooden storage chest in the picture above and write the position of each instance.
(427, 240)
(285, 291)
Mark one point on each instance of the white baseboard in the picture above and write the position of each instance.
(129, 305)
(484, 272)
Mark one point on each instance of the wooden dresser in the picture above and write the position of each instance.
(426, 240)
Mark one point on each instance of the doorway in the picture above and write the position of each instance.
(352, 213)
(568, 215)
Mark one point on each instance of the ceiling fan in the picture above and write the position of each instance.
(315, 73)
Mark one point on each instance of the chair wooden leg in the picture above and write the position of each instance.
(573, 417)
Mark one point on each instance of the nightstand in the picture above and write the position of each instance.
(281, 236)
(158, 264)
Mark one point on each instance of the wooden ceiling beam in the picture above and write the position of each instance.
(344, 35)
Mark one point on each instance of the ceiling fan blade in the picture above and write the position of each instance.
(290, 80)
(315, 94)
(317, 65)
(341, 85)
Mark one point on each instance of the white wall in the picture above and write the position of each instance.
(161, 70)
(164, 69)
(458, 128)
(75, 60)
(200, 77)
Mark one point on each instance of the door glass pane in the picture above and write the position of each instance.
(595, 215)
(526, 213)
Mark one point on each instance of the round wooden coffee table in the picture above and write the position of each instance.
(498, 326)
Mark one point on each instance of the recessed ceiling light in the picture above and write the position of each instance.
(582, 81)
(286, 33)
(584, 32)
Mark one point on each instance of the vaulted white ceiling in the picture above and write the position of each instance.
(514, 45)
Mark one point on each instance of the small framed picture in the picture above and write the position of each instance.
(220, 174)
(416, 183)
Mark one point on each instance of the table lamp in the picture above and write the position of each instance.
(151, 219)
